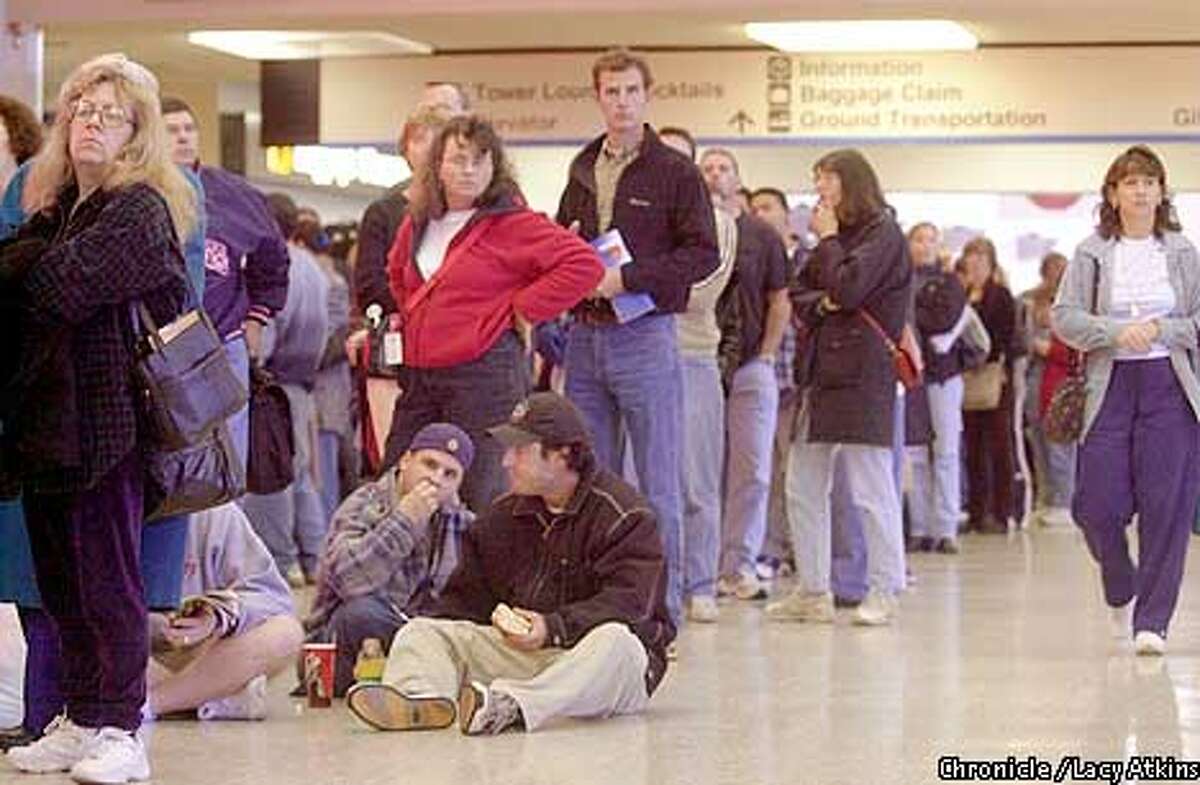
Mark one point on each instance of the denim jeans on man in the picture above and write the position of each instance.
(703, 453)
(629, 375)
(751, 412)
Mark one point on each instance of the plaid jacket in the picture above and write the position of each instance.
(76, 342)
(373, 549)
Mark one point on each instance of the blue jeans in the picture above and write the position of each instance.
(629, 375)
(352, 622)
(936, 495)
(753, 407)
(703, 449)
(239, 423)
(328, 448)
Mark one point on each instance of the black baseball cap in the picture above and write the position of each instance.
(543, 417)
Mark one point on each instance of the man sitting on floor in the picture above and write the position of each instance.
(557, 608)
(237, 625)
(391, 547)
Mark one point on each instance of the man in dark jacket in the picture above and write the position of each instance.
(569, 573)
(626, 377)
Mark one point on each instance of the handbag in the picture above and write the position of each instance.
(906, 356)
(983, 387)
(186, 377)
(1063, 421)
(270, 465)
(188, 391)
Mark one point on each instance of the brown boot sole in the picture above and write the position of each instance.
(468, 704)
(385, 708)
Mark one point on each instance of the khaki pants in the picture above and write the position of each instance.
(601, 676)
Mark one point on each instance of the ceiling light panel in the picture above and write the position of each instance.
(877, 35)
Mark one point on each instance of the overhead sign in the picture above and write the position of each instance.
(1045, 94)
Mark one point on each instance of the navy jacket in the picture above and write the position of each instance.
(663, 210)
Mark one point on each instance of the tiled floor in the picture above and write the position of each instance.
(1003, 650)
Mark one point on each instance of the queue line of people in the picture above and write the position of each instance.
(596, 574)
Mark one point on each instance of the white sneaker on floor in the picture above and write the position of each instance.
(62, 746)
(1121, 621)
(248, 704)
(876, 610)
(115, 757)
(802, 606)
(703, 609)
(1149, 644)
(726, 586)
(295, 577)
(744, 586)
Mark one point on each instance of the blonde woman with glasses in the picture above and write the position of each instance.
(106, 207)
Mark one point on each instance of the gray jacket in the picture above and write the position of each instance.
(1097, 335)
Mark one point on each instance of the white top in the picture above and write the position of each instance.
(696, 328)
(437, 238)
(1141, 289)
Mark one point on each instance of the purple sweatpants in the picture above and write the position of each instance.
(86, 550)
(1140, 456)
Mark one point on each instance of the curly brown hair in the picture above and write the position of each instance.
(429, 198)
(1138, 159)
(24, 130)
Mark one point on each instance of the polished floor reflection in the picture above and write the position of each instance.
(1003, 650)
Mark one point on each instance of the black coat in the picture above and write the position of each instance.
(70, 406)
(938, 302)
(664, 212)
(851, 381)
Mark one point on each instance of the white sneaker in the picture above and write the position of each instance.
(248, 704)
(1121, 621)
(802, 606)
(62, 746)
(1149, 644)
(115, 757)
(295, 577)
(726, 586)
(703, 609)
(876, 610)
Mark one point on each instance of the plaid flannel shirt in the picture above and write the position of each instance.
(373, 548)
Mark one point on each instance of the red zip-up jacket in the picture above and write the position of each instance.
(507, 259)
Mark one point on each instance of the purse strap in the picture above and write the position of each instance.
(878, 328)
(1079, 364)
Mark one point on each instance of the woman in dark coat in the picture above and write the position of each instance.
(106, 209)
(858, 271)
(988, 432)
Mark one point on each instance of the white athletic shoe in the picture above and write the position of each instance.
(115, 757)
(62, 746)
(876, 610)
(248, 704)
(1149, 644)
(802, 606)
(703, 609)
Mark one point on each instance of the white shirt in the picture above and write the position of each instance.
(438, 235)
(1141, 289)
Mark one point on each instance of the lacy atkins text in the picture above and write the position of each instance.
(1071, 768)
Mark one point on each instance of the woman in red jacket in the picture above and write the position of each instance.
(472, 270)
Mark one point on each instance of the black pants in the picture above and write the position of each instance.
(474, 396)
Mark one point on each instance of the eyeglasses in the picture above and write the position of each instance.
(111, 117)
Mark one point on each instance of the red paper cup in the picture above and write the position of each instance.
(319, 662)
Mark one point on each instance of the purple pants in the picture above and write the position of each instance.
(1140, 457)
(86, 550)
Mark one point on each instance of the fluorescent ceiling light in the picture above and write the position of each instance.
(305, 44)
(877, 35)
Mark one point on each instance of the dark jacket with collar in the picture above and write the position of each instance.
(664, 212)
(851, 381)
(601, 560)
(376, 233)
(70, 405)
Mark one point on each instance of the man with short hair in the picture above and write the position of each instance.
(759, 293)
(771, 205)
(574, 557)
(245, 257)
(392, 546)
(627, 376)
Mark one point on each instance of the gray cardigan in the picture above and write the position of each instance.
(1097, 335)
